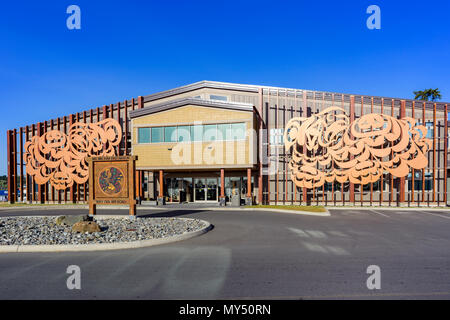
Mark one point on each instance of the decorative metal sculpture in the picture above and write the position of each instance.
(327, 147)
(62, 159)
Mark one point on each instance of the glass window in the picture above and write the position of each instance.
(428, 182)
(157, 134)
(429, 126)
(184, 134)
(197, 133)
(216, 97)
(238, 131)
(170, 134)
(210, 132)
(276, 136)
(222, 130)
(143, 135)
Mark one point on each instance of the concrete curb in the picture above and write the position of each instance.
(434, 209)
(106, 246)
(55, 206)
(308, 213)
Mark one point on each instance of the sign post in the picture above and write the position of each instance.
(111, 182)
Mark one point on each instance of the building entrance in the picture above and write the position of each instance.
(205, 189)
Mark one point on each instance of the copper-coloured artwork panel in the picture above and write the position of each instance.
(62, 159)
(327, 147)
(111, 179)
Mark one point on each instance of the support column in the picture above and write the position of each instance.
(352, 118)
(160, 199)
(137, 188)
(72, 188)
(445, 152)
(40, 186)
(260, 146)
(222, 199)
(402, 180)
(10, 164)
(141, 185)
(14, 143)
(21, 166)
(248, 198)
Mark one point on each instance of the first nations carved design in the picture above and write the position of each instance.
(327, 147)
(62, 159)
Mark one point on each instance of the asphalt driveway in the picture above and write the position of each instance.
(258, 255)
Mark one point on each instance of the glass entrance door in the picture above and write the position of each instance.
(205, 189)
(199, 186)
(211, 189)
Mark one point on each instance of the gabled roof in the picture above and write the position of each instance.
(190, 101)
(201, 85)
(255, 88)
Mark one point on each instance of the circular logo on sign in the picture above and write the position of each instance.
(111, 180)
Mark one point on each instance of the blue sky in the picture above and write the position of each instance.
(130, 48)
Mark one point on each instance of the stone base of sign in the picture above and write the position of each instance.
(248, 201)
(222, 201)
(235, 200)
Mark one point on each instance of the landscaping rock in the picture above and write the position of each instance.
(44, 230)
(71, 220)
(86, 226)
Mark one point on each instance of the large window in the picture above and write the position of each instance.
(144, 135)
(238, 131)
(170, 134)
(197, 133)
(157, 134)
(210, 132)
(184, 134)
(188, 133)
(223, 131)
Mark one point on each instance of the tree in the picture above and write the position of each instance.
(428, 94)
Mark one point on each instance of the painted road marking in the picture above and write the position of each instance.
(435, 214)
(381, 214)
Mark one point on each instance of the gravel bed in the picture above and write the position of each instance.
(44, 230)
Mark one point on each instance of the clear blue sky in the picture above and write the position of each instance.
(130, 48)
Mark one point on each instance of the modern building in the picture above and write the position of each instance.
(211, 140)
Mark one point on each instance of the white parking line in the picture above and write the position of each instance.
(381, 214)
(437, 215)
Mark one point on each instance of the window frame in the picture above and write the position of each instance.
(191, 128)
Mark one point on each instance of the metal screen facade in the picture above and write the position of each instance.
(272, 184)
(426, 187)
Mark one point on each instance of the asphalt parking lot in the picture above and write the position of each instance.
(253, 255)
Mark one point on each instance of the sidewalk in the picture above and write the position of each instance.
(167, 207)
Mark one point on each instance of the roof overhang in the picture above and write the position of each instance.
(190, 101)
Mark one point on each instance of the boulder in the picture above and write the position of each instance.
(86, 226)
(71, 220)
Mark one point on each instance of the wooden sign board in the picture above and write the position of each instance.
(111, 182)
